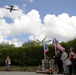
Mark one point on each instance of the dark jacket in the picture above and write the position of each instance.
(58, 58)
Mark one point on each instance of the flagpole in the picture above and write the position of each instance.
(54, 42)
(55, 45)
(44, 55)
(44, 52)
(55, 51)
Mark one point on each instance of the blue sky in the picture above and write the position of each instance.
(50, 15)
(44, 6)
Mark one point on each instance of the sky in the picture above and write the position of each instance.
(36, 19)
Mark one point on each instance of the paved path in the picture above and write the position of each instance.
(24, 73)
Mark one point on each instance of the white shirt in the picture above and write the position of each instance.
(64, 56)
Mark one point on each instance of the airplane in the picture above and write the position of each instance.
(11, 8)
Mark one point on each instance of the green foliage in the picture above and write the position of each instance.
(6, 45)
(71, 43)
(34, 53)
(30, 43)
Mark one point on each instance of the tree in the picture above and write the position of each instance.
(30, 43)
(6, 45)
(36, 42)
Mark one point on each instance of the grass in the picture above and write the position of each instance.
(20, 68)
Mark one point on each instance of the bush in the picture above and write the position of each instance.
(30, 55)
(33, 56)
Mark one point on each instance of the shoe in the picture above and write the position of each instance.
(61, 73)
(65, 73)
(58, 73)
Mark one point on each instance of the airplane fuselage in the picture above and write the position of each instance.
(11, 8)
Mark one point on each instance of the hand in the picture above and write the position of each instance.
(53, 56)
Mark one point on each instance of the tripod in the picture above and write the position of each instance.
(25, 68)
(24, 63)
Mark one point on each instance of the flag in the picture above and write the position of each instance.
(58, 45)
(46, 49)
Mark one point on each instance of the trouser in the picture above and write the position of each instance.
(8, 67)
(60, 67)
(70, 69)
(65, 68)
(74, 69)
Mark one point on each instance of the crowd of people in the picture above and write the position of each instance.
(66, 62)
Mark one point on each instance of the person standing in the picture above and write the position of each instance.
(72, 54)
(59, 62)
(8, 63)
(63, 58)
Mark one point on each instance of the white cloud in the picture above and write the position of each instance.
(31, 37)
(31, 1)
(61, 27)
(24, 5)
(28, 0)
(15, 41)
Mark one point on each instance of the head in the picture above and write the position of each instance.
(72, 49)
(58, 51)
(7, 57)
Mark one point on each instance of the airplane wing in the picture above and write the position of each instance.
(7, 8)
(11, 8)
(15, 9)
